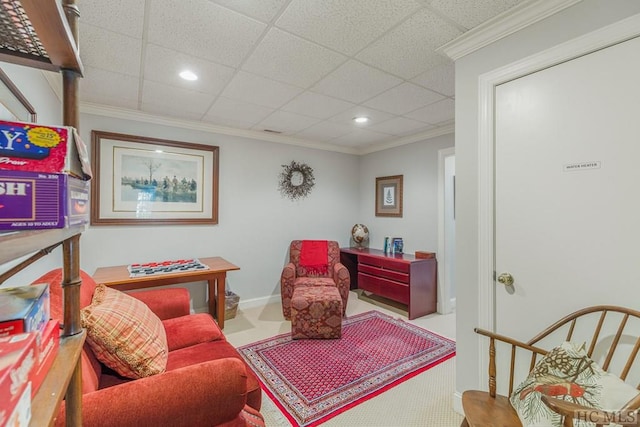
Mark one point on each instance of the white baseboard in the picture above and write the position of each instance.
(457, 403)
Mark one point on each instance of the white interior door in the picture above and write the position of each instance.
(567, 196)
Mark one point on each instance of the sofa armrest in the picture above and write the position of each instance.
(287, 277)
(342, 279)
(165, 303)
(207, 393)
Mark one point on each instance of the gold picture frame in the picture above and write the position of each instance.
(389, 196)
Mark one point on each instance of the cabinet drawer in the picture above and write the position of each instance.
(388, 274)
(386, 263)
(387, 288)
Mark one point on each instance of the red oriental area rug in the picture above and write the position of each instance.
(314, 380)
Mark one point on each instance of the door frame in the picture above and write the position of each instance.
(607, 36)
(445, 305)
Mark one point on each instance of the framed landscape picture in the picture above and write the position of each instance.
(140, 180)
(389, 196)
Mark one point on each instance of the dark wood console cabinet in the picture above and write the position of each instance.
(399, 277)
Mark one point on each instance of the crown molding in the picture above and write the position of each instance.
(431, 133)
(126, 114)
(503, 25)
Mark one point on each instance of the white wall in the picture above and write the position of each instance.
(418, 163)
(256, 223)
(577, 20)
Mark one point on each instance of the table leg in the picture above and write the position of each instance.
(211, 287)
(221, 299)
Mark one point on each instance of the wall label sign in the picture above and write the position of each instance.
(572, 167)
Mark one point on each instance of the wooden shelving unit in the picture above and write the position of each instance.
(43, 34)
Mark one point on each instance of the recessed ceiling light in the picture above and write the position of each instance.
(188, 75)
(361, 119)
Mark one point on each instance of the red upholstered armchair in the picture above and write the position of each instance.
(206, 382)
(296, 274)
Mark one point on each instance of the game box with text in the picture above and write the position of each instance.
(24, 309)
(36, 200)
(19, 356)
(38, 148)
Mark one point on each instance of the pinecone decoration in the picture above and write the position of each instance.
(557, 359)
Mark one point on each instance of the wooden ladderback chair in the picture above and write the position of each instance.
(611, 338)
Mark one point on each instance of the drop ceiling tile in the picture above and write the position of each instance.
(242, 112)
(173, 101)
(403, 98)
(435, 113)
(355, 82)
(108, 88)
(162, 65)
(98, 50)
(408, 49)
(289, 59)
(439, 79)
(316, 105)
(361, 137)
(346, 26)
(259, 90)
(204, 29)
(346, 117)
(470, 13)
(325, 131)
(285, 122)
(262, 10)
(121, 16)
(399, 126)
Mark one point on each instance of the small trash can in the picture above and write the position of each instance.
(231, 301)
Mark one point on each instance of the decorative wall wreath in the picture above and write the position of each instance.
(296, 180)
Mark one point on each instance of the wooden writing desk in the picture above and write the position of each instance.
(118, 278)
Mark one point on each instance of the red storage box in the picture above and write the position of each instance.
(33, 200)
(38, 148)
(19, 356)
(24, 309)
(47, 351)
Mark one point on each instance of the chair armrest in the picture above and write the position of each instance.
(570, 411)
(207, 393)
(165, 303)
(287, 277)
(509, 340)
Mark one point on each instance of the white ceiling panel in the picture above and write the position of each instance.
(169, 100)
(289, 59)
(259, 90)
(361, 137)
(400, 126)
(403, 98)
(285, 122)
(97, 50)
(163, 65)
(470, 13)
(355, 82)
(439, 79)
(204, 29)
(346, 26)
(262, 10)
(226, 110)
(316, 105)
(108, 88)
(121, 16)
(408, 49)
(375, 116)
(435, 113)
(325, 131)
(303, 67)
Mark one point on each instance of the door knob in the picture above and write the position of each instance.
(506, 279)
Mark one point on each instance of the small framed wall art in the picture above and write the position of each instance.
(389, 196)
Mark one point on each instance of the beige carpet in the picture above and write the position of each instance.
(425, 400)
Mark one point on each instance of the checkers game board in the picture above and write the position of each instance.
(165, 267)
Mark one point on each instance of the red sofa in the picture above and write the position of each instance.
(206, 382)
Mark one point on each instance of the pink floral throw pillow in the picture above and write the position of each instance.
(125, 334)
